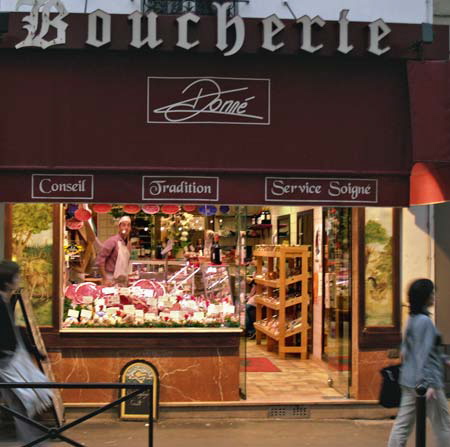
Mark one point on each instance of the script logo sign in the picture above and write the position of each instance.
(208, 100)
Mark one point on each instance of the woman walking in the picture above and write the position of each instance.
(422, 364)
(15, 362)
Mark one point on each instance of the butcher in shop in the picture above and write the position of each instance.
(113, 259)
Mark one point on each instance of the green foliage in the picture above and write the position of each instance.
(375, 233)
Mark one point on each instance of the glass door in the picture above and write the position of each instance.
(242, 260)
(337, 268)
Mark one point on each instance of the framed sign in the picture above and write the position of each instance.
(139, 371)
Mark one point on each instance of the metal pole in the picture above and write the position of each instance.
(150, 418)
(421, 416)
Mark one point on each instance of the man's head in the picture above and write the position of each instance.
(125, 227)
(9, 276)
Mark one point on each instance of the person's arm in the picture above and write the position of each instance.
(426, 338)
(104, 254)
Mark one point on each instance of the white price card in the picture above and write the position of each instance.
(88, 299)
(199, 316)
(73, 313)
(136, 291)
(129, 309)
(86, 314)
(109, 290)
(150, 317)
(164, 315)
(152, 302)
(191, 304)
(175, 315)
(124, 291)
(139, 314)
(149, 293)
(115, 299)
(112, 310)
(100, 302)
(212, 309)
(228, 309)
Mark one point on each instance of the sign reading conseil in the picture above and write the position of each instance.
(62, 186)
(321, 190)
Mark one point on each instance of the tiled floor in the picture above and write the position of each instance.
(298, 381)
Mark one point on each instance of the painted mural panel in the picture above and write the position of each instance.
(32, 243)
(379, 267)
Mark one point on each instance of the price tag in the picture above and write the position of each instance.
(149, 293)
(115, 299)
(88, 299)
(164, 315)
(139, 314)
(136, 291)
(86, 314)
(212, 309)
(100, 302)
(124, 291)
(199, 316)
(191, 304)
(112, 310)
(109, 290)
(73, 313)
(228, 309)
(150, 317)
(152, 302)
(129, 309)
(175, 315)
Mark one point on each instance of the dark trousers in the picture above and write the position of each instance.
(250, 318)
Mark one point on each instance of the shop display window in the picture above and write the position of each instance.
(187, 265)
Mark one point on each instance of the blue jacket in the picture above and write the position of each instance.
(422, 358)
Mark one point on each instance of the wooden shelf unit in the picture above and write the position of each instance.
(281, 255)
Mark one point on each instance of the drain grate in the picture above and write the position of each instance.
(289, 411)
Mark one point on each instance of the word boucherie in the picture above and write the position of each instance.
(99, 30)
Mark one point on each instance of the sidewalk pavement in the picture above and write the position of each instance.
(230, 433)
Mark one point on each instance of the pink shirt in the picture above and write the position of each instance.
(108, 254)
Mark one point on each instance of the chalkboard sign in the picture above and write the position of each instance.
(139, 371)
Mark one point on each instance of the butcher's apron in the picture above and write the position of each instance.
(122, 267)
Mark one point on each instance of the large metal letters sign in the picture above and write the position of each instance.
(144, 29)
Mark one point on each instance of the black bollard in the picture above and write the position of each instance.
(421, 416)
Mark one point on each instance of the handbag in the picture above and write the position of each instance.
(390, 392)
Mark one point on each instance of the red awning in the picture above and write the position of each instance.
(430, 183)
(429, 89)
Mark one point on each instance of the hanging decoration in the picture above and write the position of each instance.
(207, 210)
(131, 209)
(83, 214)
(70, 210)
(150, 209)
(74, 224)
(170, 209)
(102, 208)
(189, 208)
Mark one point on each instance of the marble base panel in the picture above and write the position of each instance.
(370, 363)
(184, 376)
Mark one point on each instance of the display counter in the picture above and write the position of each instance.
(181, 317)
